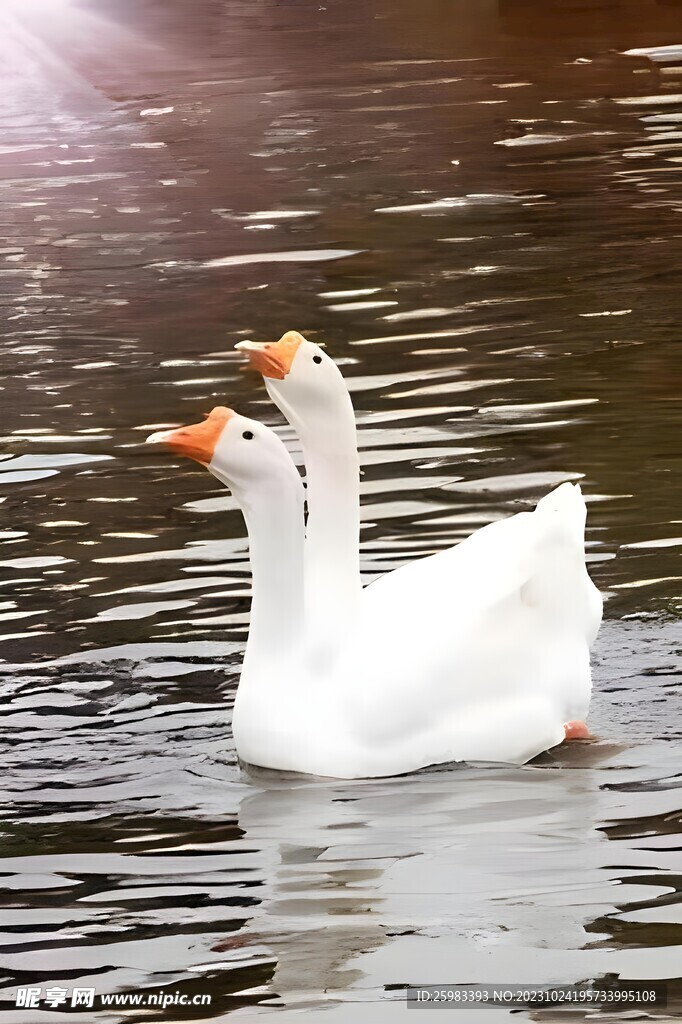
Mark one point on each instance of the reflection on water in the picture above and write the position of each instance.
(474, 207)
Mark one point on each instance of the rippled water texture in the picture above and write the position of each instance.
(476, 207)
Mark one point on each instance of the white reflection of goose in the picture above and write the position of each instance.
(476, 876)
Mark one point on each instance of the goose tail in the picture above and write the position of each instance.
(564, 509)
(564, 498)
(563, 514)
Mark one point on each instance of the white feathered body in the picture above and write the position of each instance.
(478, 653)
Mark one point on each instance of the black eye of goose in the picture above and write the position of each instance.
(317, 359)
(247, 435)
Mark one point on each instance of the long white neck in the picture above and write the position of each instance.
(332, 555)
(274, 521)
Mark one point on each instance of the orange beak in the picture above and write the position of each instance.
(272, 359)
(198, 440)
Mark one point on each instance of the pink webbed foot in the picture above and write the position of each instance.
(576, 731)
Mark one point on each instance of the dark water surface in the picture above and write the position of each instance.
(476, 206)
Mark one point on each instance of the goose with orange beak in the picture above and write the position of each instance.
(524, 573)
(252, 461)
(484, 670)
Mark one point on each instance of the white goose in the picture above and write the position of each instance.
(510, 560)
(477, 653)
